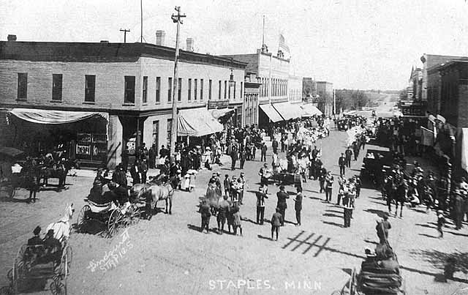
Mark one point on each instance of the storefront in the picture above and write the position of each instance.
(75, 135)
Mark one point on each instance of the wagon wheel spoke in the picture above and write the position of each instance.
(116, 219)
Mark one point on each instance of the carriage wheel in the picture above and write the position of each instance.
(115, 221)
(57, 287)
(83, 218)
(133, 216)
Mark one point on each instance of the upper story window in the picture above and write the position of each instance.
(57, 87)
(225, 89)
(210, 89)
(235, 86)
(195, 89)
(219, 90)
(158, 89)
(169, 89)
(129, 96)
(22, 86)
(90, 88)
(179, 86)
(145, 89)
(241, 90)
(189, 89)
(201, 89)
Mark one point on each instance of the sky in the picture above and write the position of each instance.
(355, 44)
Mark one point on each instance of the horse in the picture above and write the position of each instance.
(58, 170)
(152, 193)
(62, 227)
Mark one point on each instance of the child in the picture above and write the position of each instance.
(440, 223)
(237, 221)
(276, 220)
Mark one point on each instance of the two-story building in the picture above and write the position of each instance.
(98, 98)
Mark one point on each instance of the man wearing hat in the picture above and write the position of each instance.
(262, 194)
(36, 240)
(282, 204)
(382, 229)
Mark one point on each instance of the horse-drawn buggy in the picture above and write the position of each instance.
(41, 260)
(380, 274)
(39, 263)
(108, 217)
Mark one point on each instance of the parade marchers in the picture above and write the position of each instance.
(303, 160)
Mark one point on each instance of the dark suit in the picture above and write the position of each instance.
(282, 204)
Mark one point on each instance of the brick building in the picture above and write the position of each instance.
(122, 94)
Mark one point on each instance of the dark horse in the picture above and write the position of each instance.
(56, 170)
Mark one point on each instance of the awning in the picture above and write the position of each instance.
(10, 151)
(197, 122)
(288, 110)
(271, 112)
(218, 113)
(53, 116)
(309, 110)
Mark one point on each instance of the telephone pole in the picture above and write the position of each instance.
(125, 31)
(176, 18)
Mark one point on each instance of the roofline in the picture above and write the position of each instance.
(142, 50)
(445, 65)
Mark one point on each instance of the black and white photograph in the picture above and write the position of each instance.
(234, 147)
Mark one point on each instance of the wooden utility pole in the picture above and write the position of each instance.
(176, 18)
(125, 34)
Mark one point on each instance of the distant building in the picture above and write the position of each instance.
(415, 84)
(110, 95)
(325, 97)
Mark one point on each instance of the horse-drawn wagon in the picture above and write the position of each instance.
(374, 162)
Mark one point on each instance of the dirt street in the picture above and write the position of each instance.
(169, 255)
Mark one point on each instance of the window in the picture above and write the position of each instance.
(179, 86)
(158, 89)
(210, 88)
(90, 88)
(22, 86)
(169, 131)
(235, 86)
(225, 89)
(219, 90)
(169, 89)
(201, 89)
(189, 89)
(195, 89)
(229, 91)
(242, 88)
(57, 87)
(156, 134)
(145, 89)
(129, 96)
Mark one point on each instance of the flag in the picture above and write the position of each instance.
(282, 44)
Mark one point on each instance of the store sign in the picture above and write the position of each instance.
(218, 104)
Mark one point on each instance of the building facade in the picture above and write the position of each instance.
(295, 89)
(251, 98)
(129, 85)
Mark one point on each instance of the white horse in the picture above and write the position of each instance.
(62, 227)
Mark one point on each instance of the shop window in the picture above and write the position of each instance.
(156, 134)
(145, 89)
(129, 96)
(201, 89)
(90, 85)
(22, 86)
(169, 131)
(57, 87)
(169, 89)
(158, 89)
